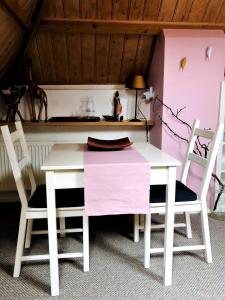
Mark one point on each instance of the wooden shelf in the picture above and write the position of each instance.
(100, 123)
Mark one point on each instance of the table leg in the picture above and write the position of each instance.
(147, 229)
(52, 234)
(169, 226)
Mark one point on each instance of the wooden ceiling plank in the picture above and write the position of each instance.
(73, 42)
(17, 13)
(59, 48)
(152, 8)
(120, 26)
(129, 57)
(74, 58)
(182, 10)
(46, 57)
(120, 9)
(88, 8)
(33, 52)
(198, 10)
(88, 58)
(213, 11)
(143, 55)
(221, 16)
(102, 43)
(104, 9)
(102, 53)
(167, 9)
(115, 58)
(72, 8)
(136, 9)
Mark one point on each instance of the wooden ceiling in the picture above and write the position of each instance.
(92, 41)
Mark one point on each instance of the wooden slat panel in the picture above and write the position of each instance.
(167, 9)
(46, 57)
(104, 9)
(102, 46)
(136, 10)
(198, 10)
(221, 16)
(73, 41)
(88, 10)
(120, 9)
(129, 57)
(213, 11)
(59, 51)
(10, 39)
(88, 58)
(115, 58)
(72, 8)
(33, 52)
(182, 10)
(74, 58)
(151, 10)
(143, 55)
(59, 48)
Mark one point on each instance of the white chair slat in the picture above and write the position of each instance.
(23, 163)
(198, 159)
(208, 134)
(15, 136)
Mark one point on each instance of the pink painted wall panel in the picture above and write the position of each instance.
(197, 87)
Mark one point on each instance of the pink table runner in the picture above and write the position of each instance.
(116, 182)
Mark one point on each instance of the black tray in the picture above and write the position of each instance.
(74, 119)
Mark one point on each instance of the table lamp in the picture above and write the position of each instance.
(138, 83)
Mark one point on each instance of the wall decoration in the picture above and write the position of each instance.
(208, 53)
(117, 106)
(183, 63)
(12, 101)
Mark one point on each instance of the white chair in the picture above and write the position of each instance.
(69, 203)
(186, 200)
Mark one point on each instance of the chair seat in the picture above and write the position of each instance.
(64, 197)
(183, 193)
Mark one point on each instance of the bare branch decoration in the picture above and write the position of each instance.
(201, 149)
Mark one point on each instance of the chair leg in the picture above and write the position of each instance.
(136, 228)
(20, 244)
(28, 233)
(206, 234)
(188, 226)
(86, 244)
(147, 240)
(62, 226)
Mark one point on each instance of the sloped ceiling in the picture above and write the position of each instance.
(93, 41)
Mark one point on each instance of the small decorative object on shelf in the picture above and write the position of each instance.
(117, 106)
(183, 63)
(37, 93)
(12, 101)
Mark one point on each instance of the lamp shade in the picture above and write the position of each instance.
(138, 82)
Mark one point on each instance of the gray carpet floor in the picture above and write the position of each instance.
(116, 264)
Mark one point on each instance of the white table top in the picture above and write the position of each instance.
(70, 157)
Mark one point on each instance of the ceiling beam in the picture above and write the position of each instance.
(77, 25)
(16, 12)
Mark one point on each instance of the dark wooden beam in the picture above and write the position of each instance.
(13, 8)
(11, 73)
(77, 25)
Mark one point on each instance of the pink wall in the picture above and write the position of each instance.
(197, 87)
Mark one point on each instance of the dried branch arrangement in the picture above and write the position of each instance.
(201, 149)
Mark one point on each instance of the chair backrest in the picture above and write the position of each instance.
(208, 162)
(18, 165)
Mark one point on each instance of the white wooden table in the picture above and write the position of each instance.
(64, 168)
